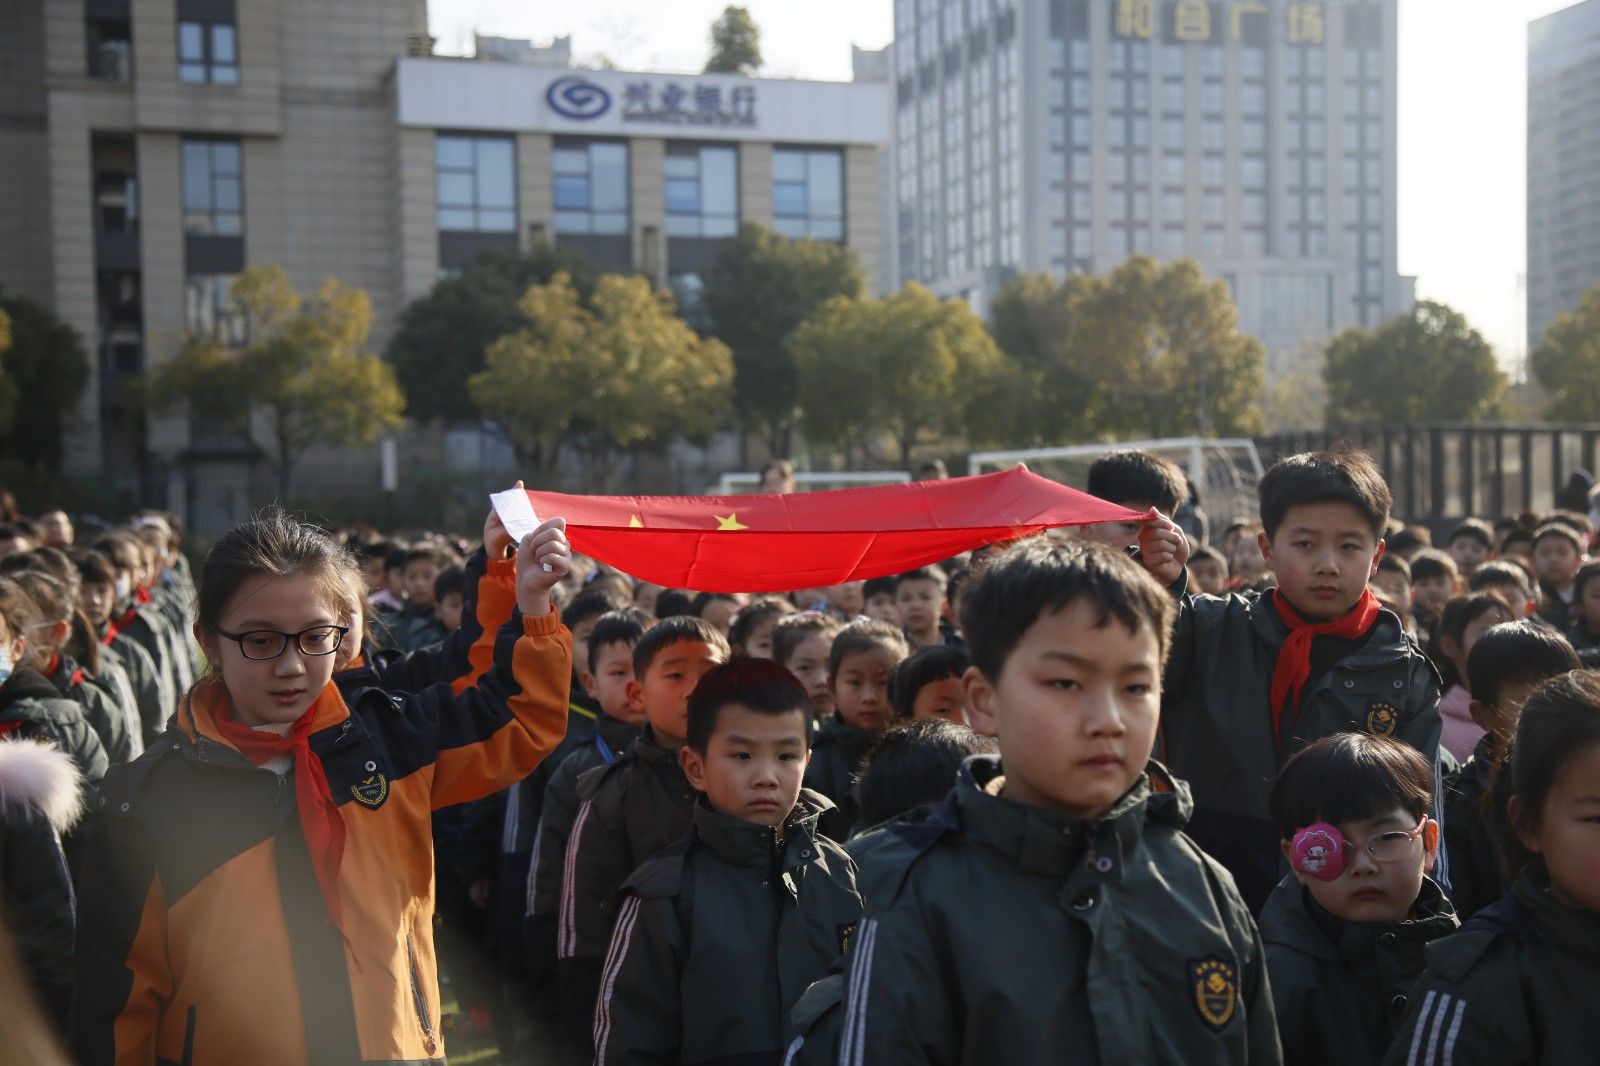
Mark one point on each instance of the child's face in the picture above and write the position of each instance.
(1469, 636)
(607, 685)
(881, 606)
(753, 764)
(1514, 597)
(919, 603)
(663, 691)
(283, 688)
(810, 664)
(1249, 561)
(1394, 585)
(1369, 890)
(580, 644)
(644, 596)
(1469, 553)
(945, 698)
(847, 599)
(861, 689)
(1075, 709)
(420, 577)
(1590, 602)
(449, 611)
(759, 643)
(1556, 560)
(1432, 593)
(97, 600)
(1323, 554)
(1209, 577)
(1567, 832)
(395, 579)
(376, 577)
(720, 612)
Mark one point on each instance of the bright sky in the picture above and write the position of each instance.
(1463, 94)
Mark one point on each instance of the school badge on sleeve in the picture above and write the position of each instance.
(1216, 991)
(847, 933)
(1382, 717)
(371, 791)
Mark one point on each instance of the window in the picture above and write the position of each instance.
(808, 193)
(476, 184)
(208, 52)
(213, 189)
(207, 311)
(702, 191)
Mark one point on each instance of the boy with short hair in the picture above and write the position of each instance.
(1209, 571)
(1471, 545)
(629, 809)
(1508, 583)
(1558, 551)
(879, 595)
(1016, 911)
(418, 625)
(1252, 680)
(450, 597)
(707, 957)
(919, 596)
(1433, 582)
(1139, 481)
(1394, 578)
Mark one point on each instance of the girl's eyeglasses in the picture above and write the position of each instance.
(260, 644)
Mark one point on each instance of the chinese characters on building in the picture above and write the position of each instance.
(1192, 20)
(674, 104)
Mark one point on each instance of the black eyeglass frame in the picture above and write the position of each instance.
(240, 638)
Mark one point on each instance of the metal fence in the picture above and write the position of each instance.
(1447, 471)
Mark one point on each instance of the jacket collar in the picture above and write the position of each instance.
(743, 843)
(25, 683)
(617, 734)
(1293, 919)
(845, 735)
(652, 755)
(1573, 929)
(196, 717)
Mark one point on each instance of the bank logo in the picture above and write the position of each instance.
(577, 98)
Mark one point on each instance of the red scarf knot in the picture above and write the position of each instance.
(1294, 658)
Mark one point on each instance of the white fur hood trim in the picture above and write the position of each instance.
(34, 774)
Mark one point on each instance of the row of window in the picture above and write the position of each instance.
(590, 188)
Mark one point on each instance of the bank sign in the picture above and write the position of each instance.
(655, 102)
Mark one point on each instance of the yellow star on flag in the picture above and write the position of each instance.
(730, 522)
(634, 523)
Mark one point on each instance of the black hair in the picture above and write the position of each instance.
(591, 603)
(795, 629)
(675, 630)
(429, 553)
(1560, 722)
(273, 543)
(670, 603)
(625, 626)
(451, 580)
(706, 599)
(93, 568)
(395, 558)
(1036, 577)
(914, 764)
(1138, 477)
(1579, 523)
(1406, 540)
(1497, 573)
(877, 586)
(1459, 613)
(1564, 530)
(1518, 535)
(1477, 529)
(1586, 573)
(1395, 564)
(10, 530)
(1207, 553)
(923, 573)
(862, 635)
(922, 668)
(759, 684)
(1431, 563)
(1350, 777)
(752, 615)
(1513, 652)
(1349, 476)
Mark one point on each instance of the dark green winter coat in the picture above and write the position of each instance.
(836, 756)
(1016, 934)
(145, 678)
(103, 713)
(1517, 985)
(1216, 718)
(1477, 873)
(1340, 987)
(31, 707)
(719, 936)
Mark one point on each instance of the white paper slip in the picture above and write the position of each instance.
(516, 514)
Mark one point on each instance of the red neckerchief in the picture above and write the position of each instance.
(319, 816)
(73, 680)
(1294, 658)
(10, 727)
(142, 594)
(116, 625)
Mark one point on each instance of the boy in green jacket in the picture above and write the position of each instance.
(1058, 911)
(719, 935)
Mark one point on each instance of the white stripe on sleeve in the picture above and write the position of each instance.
(621, 936)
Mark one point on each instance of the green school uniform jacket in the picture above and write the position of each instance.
(1518, 984)
(719, 936)
(103, 713)
(155, 700)
(836, 756)
(1216, 718)
(1477, 874)
(627, 812)
(1016, 934)
(818, 1019)
(1340, 987)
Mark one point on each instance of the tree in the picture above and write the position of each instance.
(1429, 365)
(763, 286)
(43, 372)
(305, 374)
(735, 43)
(617, 372)
(1567, 362)
(442, 336)
(908, 364)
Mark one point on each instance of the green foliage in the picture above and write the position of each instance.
(1147, 350)
(735, 43)
(442, 337)
(43, 372)
(1429, 365)
(306, 374)
(617, 372)
(909, 365)
(764, 285)
(1567, 362)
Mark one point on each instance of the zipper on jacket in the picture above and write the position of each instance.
(418, 998)
(188, 1038)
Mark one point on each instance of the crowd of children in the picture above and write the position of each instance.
(1315, 792)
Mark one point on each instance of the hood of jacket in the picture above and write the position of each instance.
(33, 773)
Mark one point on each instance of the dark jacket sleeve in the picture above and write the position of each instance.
(597, 863)
(898, 1005)
(638, 1016)
(145, 682)
(468, 653)
(36, 901)
(1256, 987)
(1462, 1022)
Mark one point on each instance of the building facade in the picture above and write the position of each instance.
(1256, 136)
(154, 148)
(1563, 162)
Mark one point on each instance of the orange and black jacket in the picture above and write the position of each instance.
(203, 936)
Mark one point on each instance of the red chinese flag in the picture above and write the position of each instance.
(777, 543)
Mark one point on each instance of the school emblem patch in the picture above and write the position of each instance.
(372, 791)
(1216, 991)
(847, 933)
(1382, 717)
